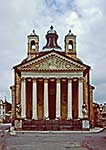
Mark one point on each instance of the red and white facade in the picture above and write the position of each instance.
(52, 84)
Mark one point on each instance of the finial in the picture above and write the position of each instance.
(51, 27)
(69, 31)
(33, 32)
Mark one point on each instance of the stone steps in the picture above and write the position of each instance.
(55, 125)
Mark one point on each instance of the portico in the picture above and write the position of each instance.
(56, 98)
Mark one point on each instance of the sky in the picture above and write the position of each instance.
(85, 18)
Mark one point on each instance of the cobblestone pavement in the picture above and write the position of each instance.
(4, 129)
(54, 141)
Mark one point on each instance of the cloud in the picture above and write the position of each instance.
(92, 43)
(85, 18)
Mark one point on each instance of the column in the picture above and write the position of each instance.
(46, 99)
(23, 98)
(34, 105)
(58, 99)
(69, 113)
(80, 98)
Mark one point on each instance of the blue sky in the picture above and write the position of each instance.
(85, 18)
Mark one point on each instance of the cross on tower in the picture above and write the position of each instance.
(51, 27)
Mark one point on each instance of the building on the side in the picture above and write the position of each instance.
(5, 111)
(8, 107)
(52, 86)
(2, 110)
(102, 115)
(96, 115)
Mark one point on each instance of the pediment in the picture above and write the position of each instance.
(52, 62)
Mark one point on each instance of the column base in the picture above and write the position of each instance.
(80, 118)
(34, 118)
(57, 118)
(69, 118)
(46, 118)
(23, 118)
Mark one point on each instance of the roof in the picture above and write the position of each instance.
(42, 54)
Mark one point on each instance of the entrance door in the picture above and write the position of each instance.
(52, 98)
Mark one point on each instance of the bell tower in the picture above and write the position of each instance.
(33, 45)
(70, 44)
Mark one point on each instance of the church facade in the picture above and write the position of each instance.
(52, 84)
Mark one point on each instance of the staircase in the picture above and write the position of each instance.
(54, 125)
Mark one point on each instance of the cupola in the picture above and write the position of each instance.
(51, 37)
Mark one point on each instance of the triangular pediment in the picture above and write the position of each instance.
(52, 62)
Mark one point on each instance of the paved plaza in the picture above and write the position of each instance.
(55, 141)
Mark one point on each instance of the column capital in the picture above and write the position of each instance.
(45, 80)
(70, 80)
(23, 79)
(58, 80)
(81, 79)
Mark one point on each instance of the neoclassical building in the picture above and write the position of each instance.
(52, 84)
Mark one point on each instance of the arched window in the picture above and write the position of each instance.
(70, 45)
(33, 45)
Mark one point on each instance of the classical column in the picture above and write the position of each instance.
(69, 113)
(23, 98)
(80, 98)
(46, 99)
(58, 99)
(34, 106)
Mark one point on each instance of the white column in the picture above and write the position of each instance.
(34, 106)
(69, 113)
(58, 102)
(46, 99)
(80, 98)
(23, 98)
